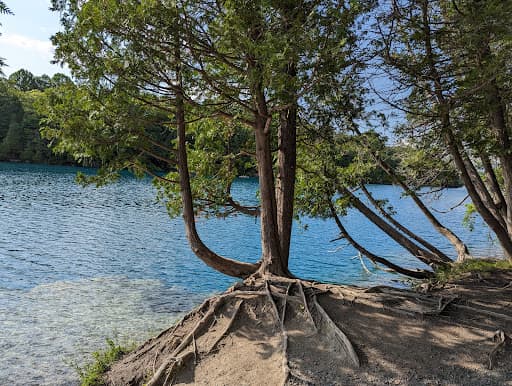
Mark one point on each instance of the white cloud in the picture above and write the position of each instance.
(41, 47)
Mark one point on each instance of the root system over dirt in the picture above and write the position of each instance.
(278, 331)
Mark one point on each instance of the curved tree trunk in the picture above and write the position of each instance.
(227, 266)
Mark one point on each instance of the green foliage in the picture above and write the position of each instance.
(91, 374)
(19, 126)
(236, 52)
(469, 217)
(4, 9)
(471, 266)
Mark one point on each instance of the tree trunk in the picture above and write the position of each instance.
(499, 125)
(425, 256)
(285, 191)
(376, 259)
(493, 184)
(271, 260)
(458, 244)
(227, 266)
(402, 228)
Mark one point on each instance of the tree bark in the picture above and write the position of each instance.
(271, 261)
(499, 126)
(493, 184)
(287, 160)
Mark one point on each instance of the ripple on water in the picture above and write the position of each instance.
(45, 329)
(79, 265)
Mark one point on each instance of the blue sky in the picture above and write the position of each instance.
(25, 41)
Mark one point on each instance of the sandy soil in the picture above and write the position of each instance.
(299, 334)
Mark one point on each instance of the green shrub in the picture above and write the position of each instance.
(458, 270)
(91, 374)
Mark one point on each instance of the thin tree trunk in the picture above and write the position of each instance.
(402, 228)
(499, 125)
(421, 274)
(458, 244)
(493, 184)
(479, 184)
(287, 159)
(227, 266)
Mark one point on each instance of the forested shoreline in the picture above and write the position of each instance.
(23, 94)
(20, 138)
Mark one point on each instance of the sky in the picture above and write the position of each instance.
(25, 41)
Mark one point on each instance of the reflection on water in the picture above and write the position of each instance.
(80, 265)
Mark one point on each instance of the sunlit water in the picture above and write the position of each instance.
(79, 265)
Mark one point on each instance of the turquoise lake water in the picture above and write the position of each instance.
(79, 265)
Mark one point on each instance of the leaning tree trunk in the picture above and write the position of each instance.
(458, 244)
(423, 255)
(402, 228)
(417, 274)
(479, 194)
(502, 133)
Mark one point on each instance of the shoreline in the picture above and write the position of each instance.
(398, 336)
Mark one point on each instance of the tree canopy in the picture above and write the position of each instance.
(193, 92)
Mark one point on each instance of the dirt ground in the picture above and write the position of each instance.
(284, 332)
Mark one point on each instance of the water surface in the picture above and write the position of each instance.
(78, 265)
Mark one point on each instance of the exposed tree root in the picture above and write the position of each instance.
(306, 306)
(162, 374)
(501, 339)
(443, 303)
(340, 335)
(225, 331)
(481, 311)
(175, 366)
(214, 320)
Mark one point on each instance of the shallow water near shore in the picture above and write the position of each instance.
(78, 265)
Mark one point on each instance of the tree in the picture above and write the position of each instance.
(4, 10)
(20, 139)
(451, 60)
(24, 80)
(246, 62)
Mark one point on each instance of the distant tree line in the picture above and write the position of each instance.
(22, 94)
(20, 139)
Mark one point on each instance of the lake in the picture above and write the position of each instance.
(79, 265)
